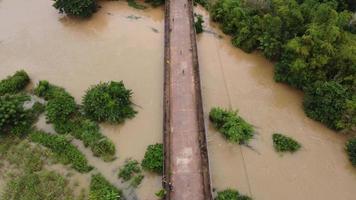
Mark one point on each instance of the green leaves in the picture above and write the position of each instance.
(198, 23)
(284, 143)
(79, 8)
(153, 159)
(131, 171)
(109, 102)
(231, 194)
(351, 150)
(101, 189)
(232, 126)
(15, 83)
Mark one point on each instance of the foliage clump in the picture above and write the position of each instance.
(232, 126)
(155, 3)
(198, 23)
(79, 8)
(15, 83)
(63, 112)
(109, 101)
(44, 185)
(312, 45)
(131, 171)
(64, 150)
(351, 150)
(153, 159)
(101, 189)
(230, 194)
(134, 4)
(284, 143)
(161, 193)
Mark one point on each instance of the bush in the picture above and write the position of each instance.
(101, 189)
(64, 150)
(108, 102)
(130, 168)
(15, 83)
(134, 4)
(198, 23)
(153, 159)
(232, 126)
(283, 143)
(155, 3)
(351, 150)
(230, 194)
(161, 193)
(44, 185)
(79, 8)
(326, 102)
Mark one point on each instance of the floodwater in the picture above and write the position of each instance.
(234, 79)
(117, 43)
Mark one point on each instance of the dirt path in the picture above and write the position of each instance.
(186, 164)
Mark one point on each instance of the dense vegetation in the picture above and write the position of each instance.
(101, 189)
(63, 113)
(232, 126)
(109, 102)
(131, 171)
(351, 150)
(230, 194)
(153, 159)
(284, 143)
(313, 47)
(198, 23)
(15, 83)
(79, 8)
(64, 150)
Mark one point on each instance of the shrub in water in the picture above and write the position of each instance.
(130, 168)
(109, 101)
(65, 151)
(155, 3)
(153, 159)
(101, 189)
(232, 126)
(283, 143)
(230, 194)
(15, 83)
(198, 23)
(351, 150)
(80, 8)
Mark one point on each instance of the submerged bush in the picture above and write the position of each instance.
(79, 8)
(153, 159)
(351, 150)
(284, 143)
(130, 168)
(198, 23)
(232, 126)
(15, 83)
(66, 152)
(43, 185)
(155, 3)
(101, 189)
(109, 101)
(134, 4)
(230, 194)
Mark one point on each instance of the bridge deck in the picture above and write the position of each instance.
(186, 159)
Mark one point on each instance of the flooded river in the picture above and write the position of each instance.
(117, 43)
(121, 43)
(234, 79)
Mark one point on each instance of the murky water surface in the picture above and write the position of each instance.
(234, 79)
(117, 43)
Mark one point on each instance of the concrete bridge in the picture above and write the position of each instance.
(186, 166)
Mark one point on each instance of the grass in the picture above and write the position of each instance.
(15, 83)
(231, 194)
(63, 149)
(284, 143)
(233, 127)
(101, 189)
(44, 185)
(153, 159)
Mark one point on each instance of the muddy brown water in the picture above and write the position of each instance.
(117, 43)
(234, 79)
(121, 43)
